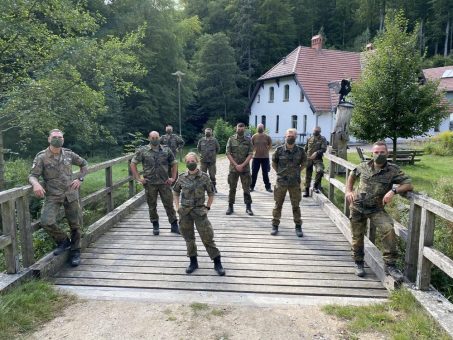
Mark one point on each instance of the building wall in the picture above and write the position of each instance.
(285, 110)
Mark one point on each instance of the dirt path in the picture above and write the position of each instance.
(95, 319)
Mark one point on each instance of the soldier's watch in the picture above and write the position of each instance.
(81, 179)
(394, 191)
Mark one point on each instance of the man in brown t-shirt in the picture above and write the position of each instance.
(262, 143)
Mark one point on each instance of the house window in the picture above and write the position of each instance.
(305, 123)
(258, 99)
(256, 120)
(437, 129)
(302, 97)
(277, 123)
(271, 94)
(286, 93)
(263, 120)
(294, 122)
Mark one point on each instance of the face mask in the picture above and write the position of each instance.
(380, 159)
(191, 166)
(57, 143)
(260, 130)
(316, 133)
(208, 134)
(240, 133)
(169, 131)
(154, 142)
(290, 140)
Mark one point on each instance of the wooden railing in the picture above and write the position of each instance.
(418, 236)
(16, 221)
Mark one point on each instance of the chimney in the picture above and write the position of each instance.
(316, 42)
(369, 47)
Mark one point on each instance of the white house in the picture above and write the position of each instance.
(295, 92)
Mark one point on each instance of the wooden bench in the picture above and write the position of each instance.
(402, 156)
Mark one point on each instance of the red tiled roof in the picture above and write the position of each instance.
(436, 74)
(314, 69)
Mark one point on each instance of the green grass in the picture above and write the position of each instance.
(198, 307)
(399, 318)
(28, 306)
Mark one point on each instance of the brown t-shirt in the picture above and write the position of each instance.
(261, 145)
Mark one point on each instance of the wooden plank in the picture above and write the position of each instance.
(340, 161)
(413, 237)
(426, 240)
(12, 194)
(97, 195)
(440, 260)
(108, 184)
(331, 193)
(9, 229)
(213, 287)
(440, 209)
(4, 241)
(106, 164)
(214, 278)
(132, 188)
(26, 232)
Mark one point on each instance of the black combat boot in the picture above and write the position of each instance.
(299, 232)
(360, 269)
(248, 209)
(269, 189)
(214, 188)
(174, 227)
(252, 189)
(317, 188)
(390, 269)
(230, 209)
(62, 247)
(156, 228)
(274, 230)
(74, 257)
(306, 192)
(193, 265)
(218, 266)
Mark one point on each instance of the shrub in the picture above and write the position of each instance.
(223, 131)
(16, 172)
(441, 145)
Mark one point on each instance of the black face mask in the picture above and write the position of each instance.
(240, 133)
(191, 166)
(260, 130)
(316, 133)
(290, 140)
(208, 134)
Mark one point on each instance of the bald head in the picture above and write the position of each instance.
(260, 128)
(153, 134)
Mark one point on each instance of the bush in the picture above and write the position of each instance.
(441, 145)
(16, 172)
(223, 131)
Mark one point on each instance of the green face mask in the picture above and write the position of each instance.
(56, 142)
(191, 166)
(154, 142)
(240, 133)
(380, 159)
(290, 140)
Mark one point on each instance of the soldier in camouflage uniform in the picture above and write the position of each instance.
(54, 164)
(208, 147)
(239, 151)
(171, 140)
(156, 159)
(191, 186)
(315, 148)
(288, 161)
(375, 189)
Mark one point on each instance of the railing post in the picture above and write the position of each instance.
(132, 190)
(9, 229)
(331, 192)
(413, 237)
(108, 184)
(346, 203)
(26, 233)
(426, 240)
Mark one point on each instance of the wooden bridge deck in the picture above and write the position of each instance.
(129, 261)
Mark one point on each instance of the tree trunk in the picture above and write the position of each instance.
(2, 163)
(447, 34)
(381, 16)
(394, 139)
(422, 43)
(436, 45)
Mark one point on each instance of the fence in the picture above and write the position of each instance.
(16, 221)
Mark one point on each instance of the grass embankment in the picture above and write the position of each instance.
(399, 318)
(28, 306)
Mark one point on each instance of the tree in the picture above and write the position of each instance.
(390, 101)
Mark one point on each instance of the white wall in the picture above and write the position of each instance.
(284, 109)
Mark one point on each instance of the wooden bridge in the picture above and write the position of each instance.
(122, 259)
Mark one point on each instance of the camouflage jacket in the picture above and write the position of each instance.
(173, 141)
(239, 148)
(374, 184)
(208, 149)
(316, 144)
(192, 188)
(57, 173)
(155, 163)
(289, 163)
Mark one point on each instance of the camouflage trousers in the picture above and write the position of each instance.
(73, 213)
(279, 197)
(246, 179)
(211, 167)
(188, 216)
(319, 169)
(381, 220)
(166, 196)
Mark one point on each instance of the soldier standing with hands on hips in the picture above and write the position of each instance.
(54, 164)
(190, 189)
